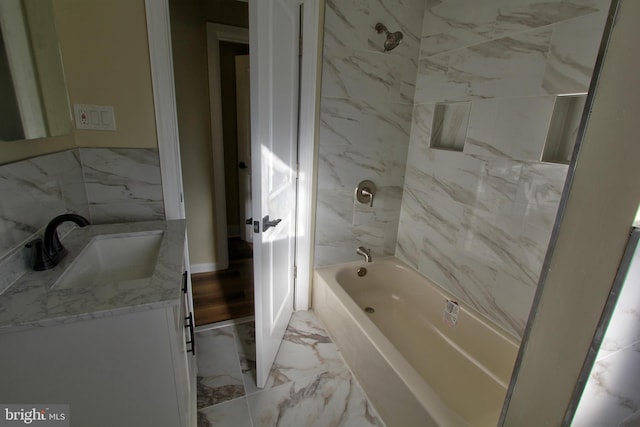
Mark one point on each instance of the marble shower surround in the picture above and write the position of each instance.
(365, 122)
(478, 222)
(103, 184)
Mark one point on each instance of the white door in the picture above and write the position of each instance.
(274, 34)
(243, 116)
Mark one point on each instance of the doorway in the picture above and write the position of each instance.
(198, 162)
(227, 293)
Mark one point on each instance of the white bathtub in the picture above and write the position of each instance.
(416, 369)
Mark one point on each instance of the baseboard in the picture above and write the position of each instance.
(206, 267)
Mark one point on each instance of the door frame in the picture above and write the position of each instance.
(161, 62)
(309, 116)
(164, 95)
(243, 148)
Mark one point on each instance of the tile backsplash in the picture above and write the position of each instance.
(104, 185)
(122, 184)
(34, 191)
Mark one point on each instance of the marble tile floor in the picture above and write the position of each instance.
(309, 385)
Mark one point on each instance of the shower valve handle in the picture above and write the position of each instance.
(369, 194)
(365, 191)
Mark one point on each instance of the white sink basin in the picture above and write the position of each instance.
(125, 260)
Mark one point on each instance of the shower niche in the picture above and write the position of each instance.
(449, 126)
(563, 128)
(524, 129)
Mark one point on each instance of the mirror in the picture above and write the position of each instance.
(33, 95)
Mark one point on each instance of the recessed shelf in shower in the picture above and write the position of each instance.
(563, 129)
(449, 126)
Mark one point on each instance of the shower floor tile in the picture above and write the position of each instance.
(309, 384)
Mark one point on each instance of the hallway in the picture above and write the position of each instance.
(225, 294)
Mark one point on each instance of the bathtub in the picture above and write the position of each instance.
(416, 369)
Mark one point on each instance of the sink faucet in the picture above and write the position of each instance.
(366, 253)
(47, 253)
(52, 246)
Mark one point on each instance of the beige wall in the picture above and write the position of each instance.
(188, 32)
(105, 56)
(601, 205)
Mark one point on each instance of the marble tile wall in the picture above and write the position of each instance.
(34, 191)
(123, 184)
(612, 394)
(104, 185)
(365, 121)
(478, 221)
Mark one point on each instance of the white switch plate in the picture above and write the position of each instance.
(94, 117)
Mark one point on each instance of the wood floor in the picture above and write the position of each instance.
(225, 294)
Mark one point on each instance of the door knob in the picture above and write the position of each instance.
(248, 221)
(242, 165)
(266, 224)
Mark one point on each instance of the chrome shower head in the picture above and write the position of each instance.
(393, 39)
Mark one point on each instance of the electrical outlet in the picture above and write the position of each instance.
(84, 117)
(94, 117)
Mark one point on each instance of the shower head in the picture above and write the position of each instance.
(393, 39)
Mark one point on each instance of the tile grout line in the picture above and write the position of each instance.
(234, 338)
(614, 353)
(236, 341)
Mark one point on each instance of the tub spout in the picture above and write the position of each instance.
(366, 253)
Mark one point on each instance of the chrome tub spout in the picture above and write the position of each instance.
(366, 253)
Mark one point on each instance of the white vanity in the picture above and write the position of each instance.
(117, 348)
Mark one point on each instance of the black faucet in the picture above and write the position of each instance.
(47, 253)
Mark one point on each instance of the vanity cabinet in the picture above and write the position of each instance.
(133, 369)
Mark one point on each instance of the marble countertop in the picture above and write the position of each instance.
(30, 302)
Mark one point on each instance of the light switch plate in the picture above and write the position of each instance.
(94, 117)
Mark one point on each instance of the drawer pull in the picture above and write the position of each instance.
(189, 324)
(184, 282)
